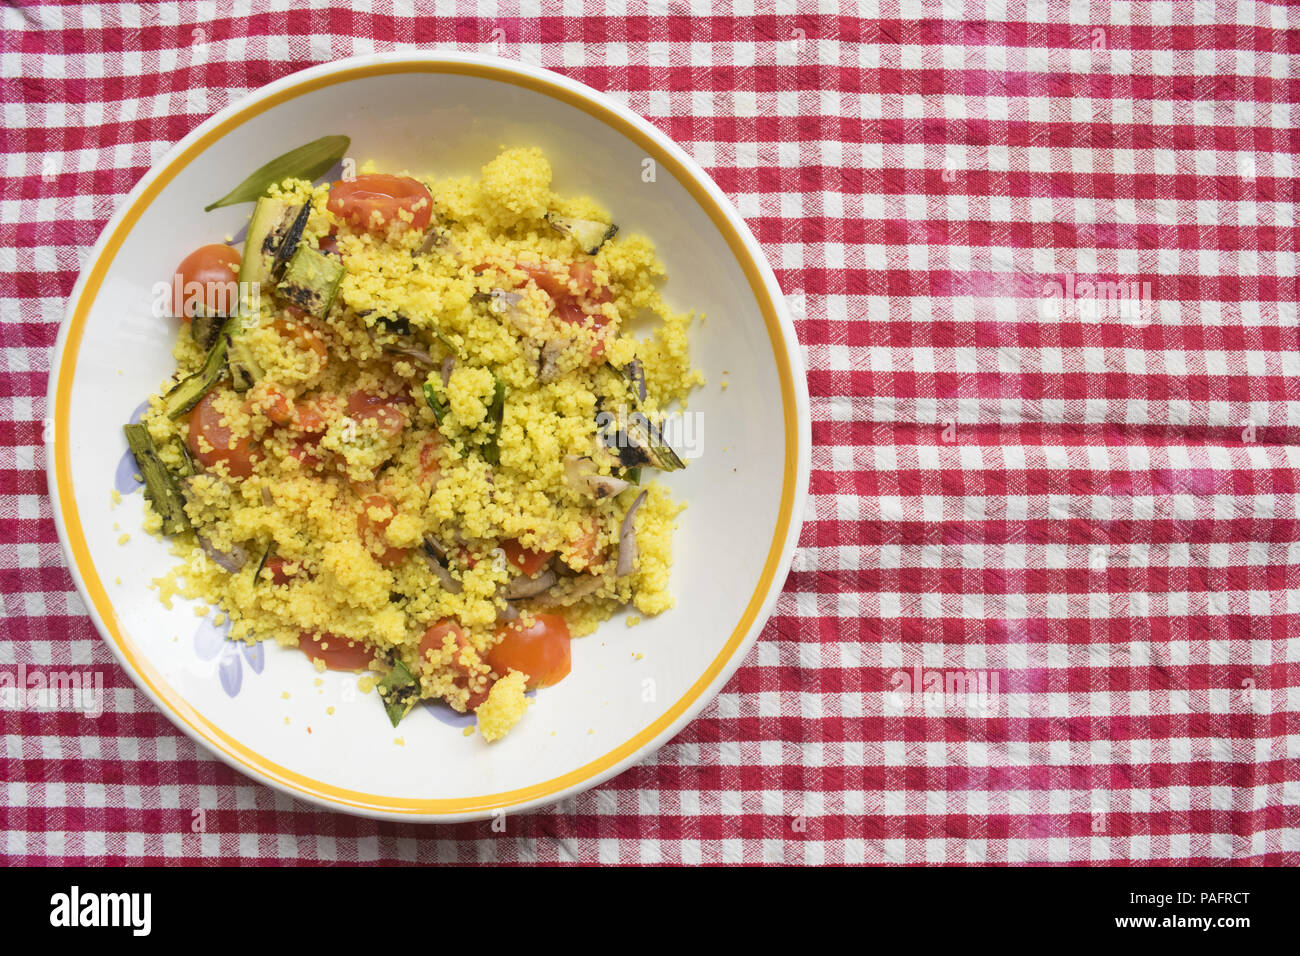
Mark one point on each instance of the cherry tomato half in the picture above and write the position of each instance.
(217, 446)
(275, 570)
(525, 559)
(207, 277)
(372, 201)
(541, 651)
(338, 653)
(385, 411)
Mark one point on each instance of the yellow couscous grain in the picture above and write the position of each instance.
(423, 458)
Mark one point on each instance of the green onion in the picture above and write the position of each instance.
(306, 162)
(261, 564)
(495, 415)
(435, 402)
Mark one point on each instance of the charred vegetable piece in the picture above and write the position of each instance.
(435, 401)
(161, 487)
(273, 235)
(311, 280)
(637, 442)
(205, 326)
(309, 161)
(495, 415)
(186, 393)
(244, 367)
(590, 234)
(399, 689)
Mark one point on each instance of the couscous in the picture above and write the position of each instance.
(419, 441)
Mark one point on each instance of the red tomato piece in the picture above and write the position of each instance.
(373, 200)
(338, 653)
(541, 651)
(387, 412)
(372, 530)
(525, 559)
(217, 445)
(207, 277)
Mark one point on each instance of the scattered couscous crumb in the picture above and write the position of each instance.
(218, 620)
(638, 656)
(116, 496)
(284, 695)
(346, 508)
(400, 741)
(633, 620)
(286, 721)
(123, 538)
(201, 610)
(117, 581)
(504, 706)
(330, 710)
(467, 732)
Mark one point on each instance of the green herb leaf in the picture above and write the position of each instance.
(305, 162)
(399, 690)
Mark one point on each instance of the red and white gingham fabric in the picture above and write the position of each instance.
(1099, 514)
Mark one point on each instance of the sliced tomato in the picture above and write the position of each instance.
(302, 336)
(541, 650)
(430, 466)
(433, 640)
(308, 418)
(586, 552)
(307, 452)
(435, 635)
(206, 278)
(525, 559)
(338, 653)
(329, 245)
(387, 412)
(372, 530)
(275, 570)
(373, 200)
(551, 277)
(217, 445)
(270, 401)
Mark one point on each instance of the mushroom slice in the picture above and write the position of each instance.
(581, 474)
(526, 587)
(627, 546)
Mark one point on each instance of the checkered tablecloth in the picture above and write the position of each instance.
(1042, 257)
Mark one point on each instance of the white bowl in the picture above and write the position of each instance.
(631, 689)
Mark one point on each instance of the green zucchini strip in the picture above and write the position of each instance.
(189, 390)
(161, 487)
(306, 162)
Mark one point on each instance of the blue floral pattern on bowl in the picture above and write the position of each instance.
(212, 642)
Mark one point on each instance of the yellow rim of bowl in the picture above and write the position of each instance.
(207, 731)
